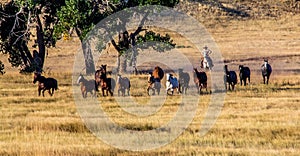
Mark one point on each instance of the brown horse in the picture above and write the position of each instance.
(106, 84)
(200, 79)
(98, 73)
(154, 79)
(184, 80)
(86, 86)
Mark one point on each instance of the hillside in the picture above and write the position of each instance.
(239, 9)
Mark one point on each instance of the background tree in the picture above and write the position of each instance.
(83, 15)
(19, 19)
(50, 19)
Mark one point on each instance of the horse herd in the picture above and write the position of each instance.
(230, 77)
(181, 84)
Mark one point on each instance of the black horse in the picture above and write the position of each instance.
(184, 80)
(49, 84)
(230, 77)
(266, 71)
(244, 74)
(200, 79)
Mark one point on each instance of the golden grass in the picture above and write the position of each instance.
(256, 119)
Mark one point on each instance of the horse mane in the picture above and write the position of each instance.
(158, 73)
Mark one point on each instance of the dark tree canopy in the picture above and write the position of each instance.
(44, 22)
(19, 19)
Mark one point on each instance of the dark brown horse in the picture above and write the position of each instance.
(230, 77)
(266, 71)
(106, 84)
(49, 84)
(154, 79)
(98, 73)
(184, 80)
(244, 74)
(200, 79)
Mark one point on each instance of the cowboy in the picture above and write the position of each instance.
(206, 52)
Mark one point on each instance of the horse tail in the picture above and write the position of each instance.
(129, 84)
(55, 85)
(113, 84)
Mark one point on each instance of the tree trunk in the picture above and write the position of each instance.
(122, 64)
(40, 41)
(88, 57)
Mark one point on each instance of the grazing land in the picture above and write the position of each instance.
(256, 119)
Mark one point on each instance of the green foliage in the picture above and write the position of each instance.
(161, 43)
(80, 15)
(16, 24)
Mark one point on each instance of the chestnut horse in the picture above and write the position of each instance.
(154, 79)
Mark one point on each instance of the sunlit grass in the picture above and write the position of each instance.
(256, 119)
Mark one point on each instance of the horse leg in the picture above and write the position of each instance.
(200, 88)
(119, 90)
(103, 91)
(123, 92)
(241, 81)
(249, 80)
(110, 92)
(43, 92)
(39, 91)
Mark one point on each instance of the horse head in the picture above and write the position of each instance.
(36, 77)
(265, 63)
(241, 67)
(103, 66)
(119, 78)
(158, 73)
(80, 78)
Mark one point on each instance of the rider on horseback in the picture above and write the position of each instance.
(207, 60)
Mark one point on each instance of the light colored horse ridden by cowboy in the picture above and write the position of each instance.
(206, 61)
(171, 83)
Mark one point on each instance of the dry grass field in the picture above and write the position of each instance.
(255, 120)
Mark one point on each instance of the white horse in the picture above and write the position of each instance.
(171, 83)
(206, 63)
